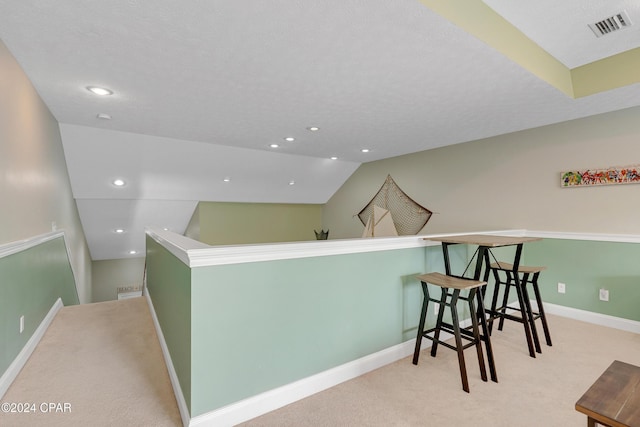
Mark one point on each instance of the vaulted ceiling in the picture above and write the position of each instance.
(202, 89)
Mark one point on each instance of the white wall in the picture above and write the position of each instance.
(510, 181)
(34, 184)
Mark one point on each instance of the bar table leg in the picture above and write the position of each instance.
(483, 255)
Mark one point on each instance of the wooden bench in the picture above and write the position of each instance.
(614, 398)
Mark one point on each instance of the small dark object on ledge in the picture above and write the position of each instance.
(322, 235)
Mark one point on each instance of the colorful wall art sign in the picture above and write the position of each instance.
(608, 176)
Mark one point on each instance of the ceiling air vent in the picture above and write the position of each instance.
(617, 22)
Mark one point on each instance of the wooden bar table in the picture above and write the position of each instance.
(614, 399)
(485, 243)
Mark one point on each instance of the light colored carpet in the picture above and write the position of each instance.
(103, 360)
(531, 392)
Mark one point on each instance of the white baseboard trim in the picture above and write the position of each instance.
(255, 406)
(268, 401)
(586, 316)
(173, 377)
(271, 400)
(591, 317)
(21, 359)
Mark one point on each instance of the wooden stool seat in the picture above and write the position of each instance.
(445, 281)
(450, 299)
(505, 266)
(526, 275)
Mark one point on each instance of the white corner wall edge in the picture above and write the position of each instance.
(596, 237)
(198, 254)
(268, 401)
(21, 359)
(22, 245)
(173, 377)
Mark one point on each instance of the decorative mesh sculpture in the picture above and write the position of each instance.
(408, 216)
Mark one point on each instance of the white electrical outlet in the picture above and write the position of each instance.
(561, 288)
(604, 295)
(21, 324)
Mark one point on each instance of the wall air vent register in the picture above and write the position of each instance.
(614, 23)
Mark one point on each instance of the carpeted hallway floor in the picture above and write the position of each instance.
(539, 392)
(101, 361)
(105, 362)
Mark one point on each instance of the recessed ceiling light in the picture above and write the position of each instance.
(333, 158)
(119, 230)
(104, 116)
(118, 182)
(227, 179)
(289, 139)
(292, 182)
(274, 145)
(133, 252)
(99, 90)
(365, 150)
(313, 128)
(166, 229)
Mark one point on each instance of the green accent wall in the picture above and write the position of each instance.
(237, 330)
(247, 223)
(169, 285)
(31, 281)
(258, 326)
(585, 267)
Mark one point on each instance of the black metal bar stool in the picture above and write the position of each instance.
(450, 294)
(520, 280)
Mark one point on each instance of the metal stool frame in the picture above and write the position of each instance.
(449, 298)
(527, 315)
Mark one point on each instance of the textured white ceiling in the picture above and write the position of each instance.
(165, 178)
(202, 88)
